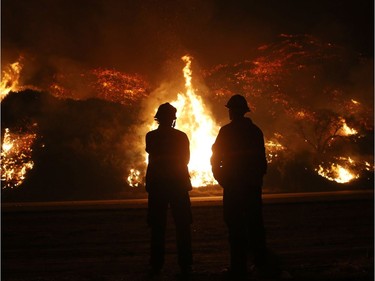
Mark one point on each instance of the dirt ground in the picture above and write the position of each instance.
(314, 240)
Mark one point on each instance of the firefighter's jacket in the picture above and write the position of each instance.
(238, 154)
(168, 157)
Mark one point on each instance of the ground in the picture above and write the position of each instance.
(317, 240)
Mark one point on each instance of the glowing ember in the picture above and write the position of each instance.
(119, 87)
(368, 166)
(15, 158)
(134, 178)
(9, 79)
(106, 84)
(355, 102)
(273, 147)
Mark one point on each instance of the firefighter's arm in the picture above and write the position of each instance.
(216, 161)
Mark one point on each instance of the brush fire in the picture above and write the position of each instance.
(316, 131)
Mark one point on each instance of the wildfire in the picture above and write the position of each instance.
(15, 158)
(273, 148)
(16, 147)
(134, 178)
(194, 119)
(340, 173)
(10, 79)
(106, 84)
(346, 130)
(283, 82)
(119, 87)
(337, 173)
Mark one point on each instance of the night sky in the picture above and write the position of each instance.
(141, 36)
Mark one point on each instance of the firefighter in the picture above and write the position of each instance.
(168, 185)
(239, 164)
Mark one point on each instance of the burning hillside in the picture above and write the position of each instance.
(16, 158)
(106, 84)
(298, 88)
(87, 136)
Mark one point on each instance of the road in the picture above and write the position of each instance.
(196, 201)
(316, 236)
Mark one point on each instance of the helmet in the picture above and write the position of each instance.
(239, 103)
(166, 112)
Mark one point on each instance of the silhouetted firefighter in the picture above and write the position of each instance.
(168, 184)
(239, 164)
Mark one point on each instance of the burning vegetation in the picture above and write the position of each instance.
(16, 158)
(105, 84)
(318, 130)
(297, 87)
(10, 79)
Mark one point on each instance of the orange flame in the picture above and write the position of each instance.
(195, 120)
(340, 173)
(10, 79)
(273, 148)
(134, 178)
(346, 130)
(16, 158)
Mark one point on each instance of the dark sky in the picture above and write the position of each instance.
(140, 36)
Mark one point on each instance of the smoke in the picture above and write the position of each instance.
(139, 36)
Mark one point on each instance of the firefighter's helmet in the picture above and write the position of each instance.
(238, 103)
(166, 112)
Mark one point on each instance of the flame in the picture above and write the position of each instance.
(16, 147)
(273, 147)
(265, 79)
(194, 119)
(10, 79)
(337, 173)
(340, 173)
(345, 130)
(16, 158)
(355, 102)
(134, 177)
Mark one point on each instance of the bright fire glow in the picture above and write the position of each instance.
(15, 158)
(134, 177)
(355, 102)
(9, 79)
(346, 130)
(16, 147)
(340, 173)
(195, 120)
(273, 147)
